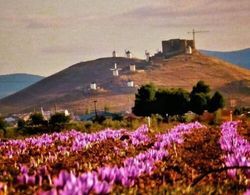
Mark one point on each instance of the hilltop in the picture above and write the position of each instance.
(11, 83)
(69, 89)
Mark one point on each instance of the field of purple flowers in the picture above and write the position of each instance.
(188, 159)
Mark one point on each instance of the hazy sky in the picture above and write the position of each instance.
(45, 36)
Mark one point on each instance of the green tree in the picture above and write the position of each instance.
(58, 120)
(171, 102)
(201, 87)
(198, 103)
(144, 100)
(180, 101)
(36, 119)
(216, 102)
(21, 124)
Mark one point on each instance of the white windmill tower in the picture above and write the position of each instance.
(114, 54)
(128, 54)
(130, 83)
(93, 86)
(132, 67)
(115, 70)
(147, 54)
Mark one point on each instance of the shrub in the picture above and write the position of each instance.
(58, 121)
(200, 87)
(36, 119)
(216, 102)
(3, 125)
(21, 124)
(198, 103)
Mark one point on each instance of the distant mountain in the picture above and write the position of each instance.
(240, 57)
(69, 88)
(12, 83)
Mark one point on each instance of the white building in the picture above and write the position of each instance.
(66, 113)
(189, 50)
(93, 86)
(132, 67)
(130, 83)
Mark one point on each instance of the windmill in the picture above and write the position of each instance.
(114, 54)
(147, 54)
(93, 86)
(194, 32)
(115, 70)
(128, 54)
(132, 67)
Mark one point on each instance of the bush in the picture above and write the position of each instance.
(241, 110)
(58, 121)
(3, 125)
(198, 103)
(200, 87)
(169, 102)
(77, 125)
(216, 102)
(144, 100)
(21, 124)
(150, 100)
(37, 119)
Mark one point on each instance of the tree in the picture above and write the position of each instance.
(58, 120)
(180, 101)
(3, 125)
(216, 102)
(144, 100)
(146, 93)
(36, 119)
(21, 124)
(198, 103)
(171, 102)
(200, 87)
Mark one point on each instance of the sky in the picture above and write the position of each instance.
(45, 36)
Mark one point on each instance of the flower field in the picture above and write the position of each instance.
(187, 159)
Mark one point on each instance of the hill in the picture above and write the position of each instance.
(69, 89)
(241, 57)
(11, 83)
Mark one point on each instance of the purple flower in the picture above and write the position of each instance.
(103, 188)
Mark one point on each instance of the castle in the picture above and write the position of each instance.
(174, 47)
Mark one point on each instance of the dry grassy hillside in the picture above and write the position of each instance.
(68, 89)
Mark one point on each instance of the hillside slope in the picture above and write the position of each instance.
(240, 57)
(69, 89)
(11, 83)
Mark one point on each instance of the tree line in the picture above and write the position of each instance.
(176, 101)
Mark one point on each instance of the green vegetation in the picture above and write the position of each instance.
(3, 125)
(216, 102)
(169, 102)
(58, 121)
